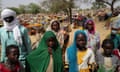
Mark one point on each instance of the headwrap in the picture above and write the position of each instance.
(49, 27)
(13, 26)
(72, 52)
(59, 34)
(38, 60)
(92, 23)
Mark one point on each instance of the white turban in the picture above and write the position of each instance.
(12, 26)
(7, 13)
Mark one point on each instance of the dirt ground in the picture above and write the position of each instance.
(102, 31)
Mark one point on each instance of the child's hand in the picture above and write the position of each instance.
(49, 50)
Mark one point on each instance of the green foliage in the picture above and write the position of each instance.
(15, 9)
(31, 8)
(109, 2)
(22, 8)
(97, 5)
(56, 6)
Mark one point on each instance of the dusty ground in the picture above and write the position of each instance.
(100, 28)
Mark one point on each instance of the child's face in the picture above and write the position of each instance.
(81, 41)
(90, 25)
(51, 42)
(55, 26)
(108, 49)
(13, 55)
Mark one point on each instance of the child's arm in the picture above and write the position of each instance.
(66, 65)
(92, 62)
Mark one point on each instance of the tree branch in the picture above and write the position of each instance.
(114, 1)
(106, 2)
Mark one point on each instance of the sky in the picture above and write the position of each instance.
(16, 3)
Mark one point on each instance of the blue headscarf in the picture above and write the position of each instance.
(71, 52)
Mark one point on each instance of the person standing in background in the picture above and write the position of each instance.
(93, 37)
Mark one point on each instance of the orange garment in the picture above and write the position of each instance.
(80, 55)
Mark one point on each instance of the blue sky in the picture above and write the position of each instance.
(16, 3)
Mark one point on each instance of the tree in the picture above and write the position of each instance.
(22, 9)
(98, 5)
(70, 6)
(33, 8)
(109, 2)
(15, 9)
(56, 6)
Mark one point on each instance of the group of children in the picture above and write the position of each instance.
(82, 55)
(48, 56)
(83, 59)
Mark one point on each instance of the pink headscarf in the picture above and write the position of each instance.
(91, 23)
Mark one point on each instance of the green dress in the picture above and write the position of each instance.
(38, 60)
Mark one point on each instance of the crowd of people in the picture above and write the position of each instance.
(60, 46)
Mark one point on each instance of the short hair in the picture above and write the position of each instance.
(107, 41)
(9, 47)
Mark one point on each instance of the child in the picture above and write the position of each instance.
(12, 63)
(106, 61)
(78, 56)
(48, 56)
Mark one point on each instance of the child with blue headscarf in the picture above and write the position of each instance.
(78, 56)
